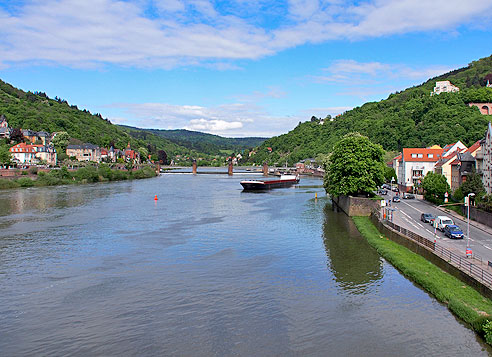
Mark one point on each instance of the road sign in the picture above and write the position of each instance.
(468, 252)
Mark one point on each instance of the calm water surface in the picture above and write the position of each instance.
(206, 270)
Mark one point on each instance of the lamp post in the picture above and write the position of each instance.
(392, 179)
(468, 252)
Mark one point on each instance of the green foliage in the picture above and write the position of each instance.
(8, 184)
(25, 182)
(435, 186)
(355, 167)
(473, 184)
(487, 329)
(464, 301)
(389, 173)
(87, 174)
(5, 156)
(411, 118)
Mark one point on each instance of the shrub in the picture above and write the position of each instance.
(89, 174)
(8, 184)
(105, 172)
(25, 182)
(33, 170)
(24, 173)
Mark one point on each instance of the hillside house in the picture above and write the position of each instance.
(84, 152)
(4, 128)
(414, 164)
(33, 154)
(444, 87)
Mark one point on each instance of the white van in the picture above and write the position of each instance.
(442, 221)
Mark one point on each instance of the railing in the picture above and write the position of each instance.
(460, 262)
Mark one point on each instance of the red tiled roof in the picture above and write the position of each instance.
(436, 154)
(474, 147)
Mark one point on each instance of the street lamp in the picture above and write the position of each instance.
(468, 252)
(392, 179)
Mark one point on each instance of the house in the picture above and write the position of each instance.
(131, 155)
(444, 87)
(443, 166)
(4, 127)
(36, 136)
(84, 152)
(452, 148)
(414, 164)
(33, 154)
(486, 148)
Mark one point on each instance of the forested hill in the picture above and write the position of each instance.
(36, 111)
(411, 118)
(202, 142)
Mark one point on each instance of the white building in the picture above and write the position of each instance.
(444, 87)
(414, 164)
(487, 160)
(33, 154)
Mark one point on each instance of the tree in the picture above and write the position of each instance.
(473, 184)
(144, 153)
(355, 166)
(435, 186)
(162, 156)
(5, 156)
(389, 173)
(16, 135)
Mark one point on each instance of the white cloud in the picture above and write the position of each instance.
(190, 32)
(212, 125)
(357, 73)
(230, 120)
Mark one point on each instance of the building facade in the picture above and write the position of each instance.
(487, 160)
(414, 165)
(33, 154)
(84, 152)
(444, 87)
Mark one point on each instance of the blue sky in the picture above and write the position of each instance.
(234, 68)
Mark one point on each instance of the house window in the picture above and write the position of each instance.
(430, 156)
(414, 156)
(420, 156)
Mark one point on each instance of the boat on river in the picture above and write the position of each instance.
(283, 181)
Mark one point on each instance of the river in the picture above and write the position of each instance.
(103, 269)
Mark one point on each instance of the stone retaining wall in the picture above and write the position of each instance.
(356, 206)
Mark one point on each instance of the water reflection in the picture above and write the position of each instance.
(354, 263)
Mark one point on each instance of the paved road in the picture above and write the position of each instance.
(407, 214)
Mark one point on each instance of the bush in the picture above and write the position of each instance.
(105, 172)
(33, 170)
(89, 174)
(8, 184)
(24, 173)
(25, 182)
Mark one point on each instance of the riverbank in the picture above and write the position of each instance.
(89, 174)
(464, 301)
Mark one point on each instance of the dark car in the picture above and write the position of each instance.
(427, 217)
(453, 231)
(396, 199)
(383, 192)
(408, 196)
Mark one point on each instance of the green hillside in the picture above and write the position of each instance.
(411, 118)
(36, 111)
(202, 142)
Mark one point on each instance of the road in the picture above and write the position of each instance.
(407, 214)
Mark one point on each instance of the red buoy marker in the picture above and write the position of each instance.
(155, 198)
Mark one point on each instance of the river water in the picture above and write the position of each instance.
(206, 270)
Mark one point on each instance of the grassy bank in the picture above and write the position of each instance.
(465, 302)
(88, 174)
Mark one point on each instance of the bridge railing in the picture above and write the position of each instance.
(464, 264)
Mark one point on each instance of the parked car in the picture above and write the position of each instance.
(427, 217)
(395, 189)
(453, 231)
(386, 186)
(396, 199)
(408, 196)
(383, 192)
(442, 221)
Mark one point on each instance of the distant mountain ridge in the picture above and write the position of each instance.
(410, 118)
(203, 142)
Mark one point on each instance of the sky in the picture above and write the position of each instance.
(234, 68)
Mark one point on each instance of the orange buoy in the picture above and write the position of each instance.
(155, 198)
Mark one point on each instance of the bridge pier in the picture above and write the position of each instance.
(265, 169)
(230, 170)
(194, 167)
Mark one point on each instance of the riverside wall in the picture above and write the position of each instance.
(356, 206)
(428, 254)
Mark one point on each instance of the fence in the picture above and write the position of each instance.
(463, 264)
